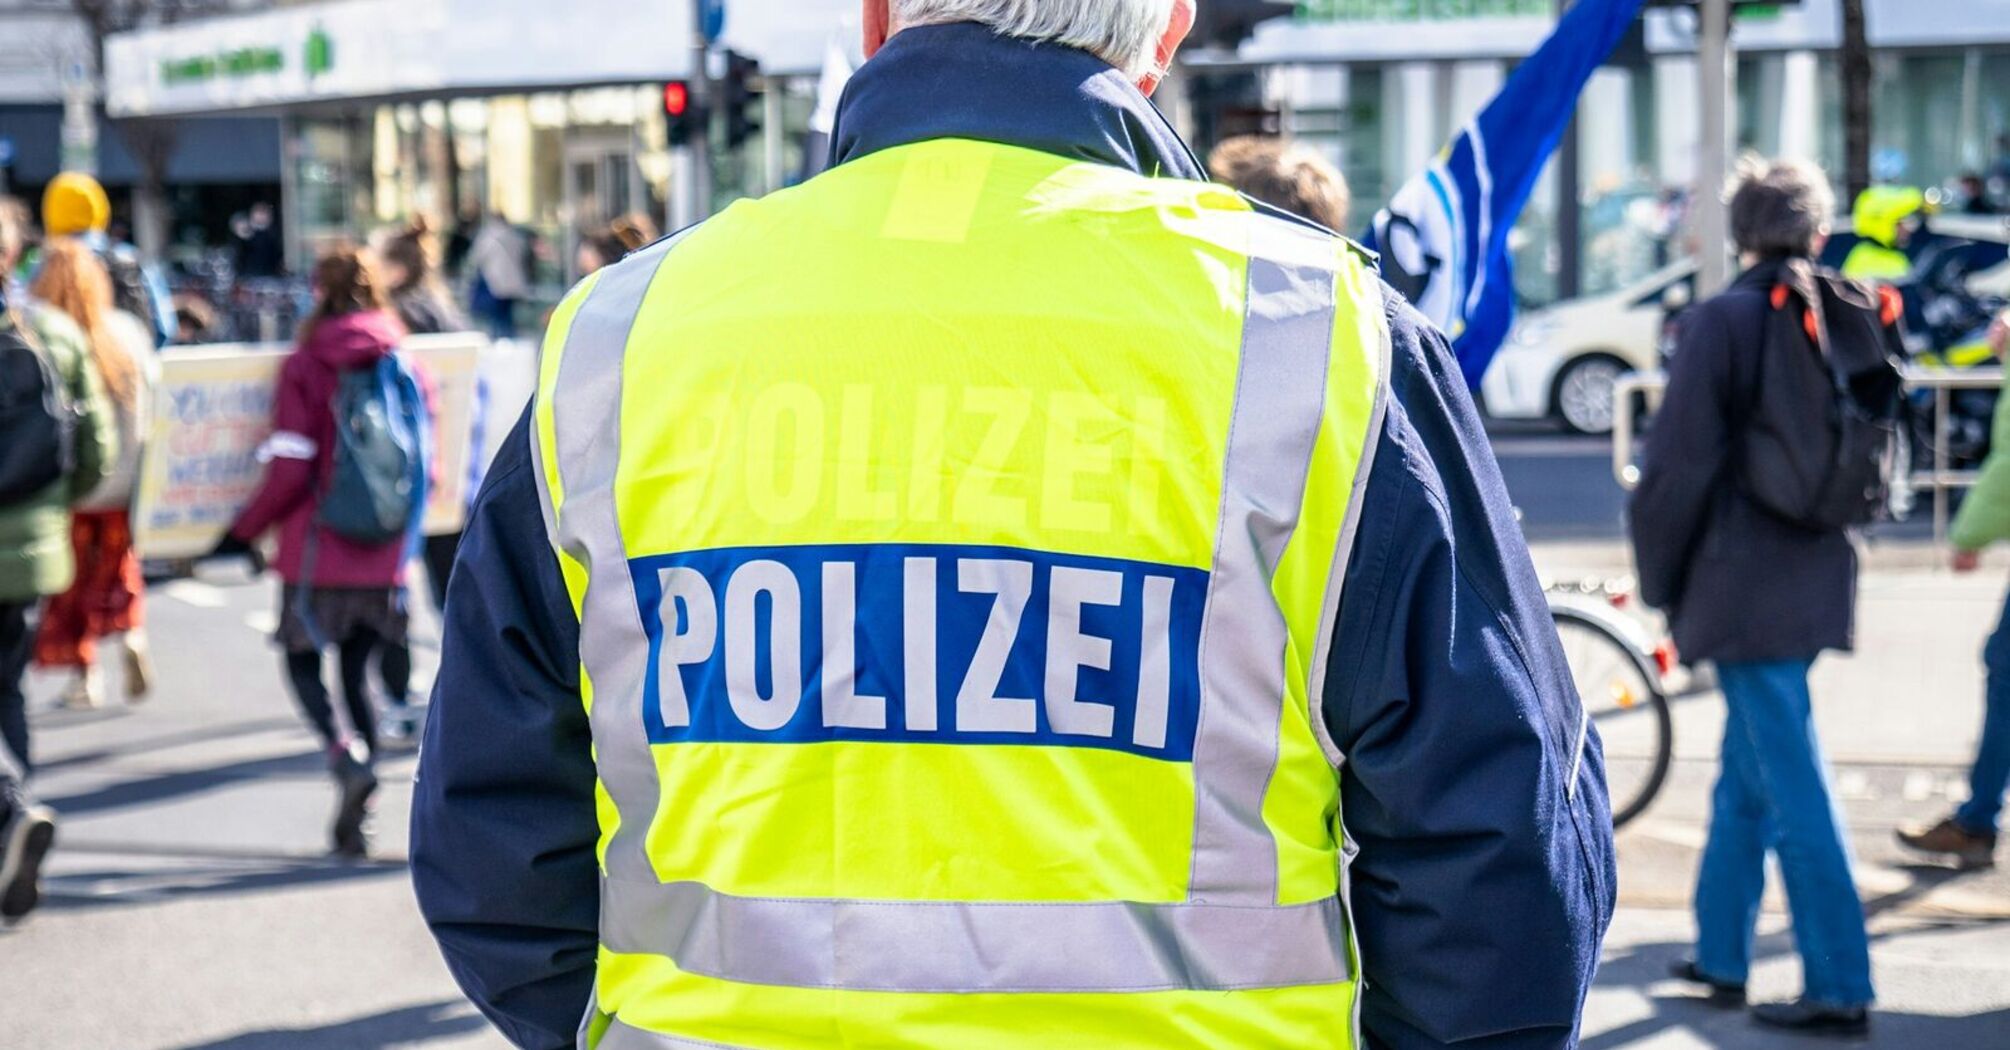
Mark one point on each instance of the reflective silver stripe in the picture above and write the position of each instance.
(612, 645)
(621, 1036)
(961, 946)
(1280, 393)
(1344, 550)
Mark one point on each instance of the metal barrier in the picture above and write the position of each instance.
(1941, 478)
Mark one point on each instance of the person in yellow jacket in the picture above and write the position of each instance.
(1886, 219)
(1006, 592)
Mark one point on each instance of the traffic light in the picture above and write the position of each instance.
(739, 100)
(1227, 23)
(682, 115)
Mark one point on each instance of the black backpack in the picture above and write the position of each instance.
(38, 419)
(1824, 442)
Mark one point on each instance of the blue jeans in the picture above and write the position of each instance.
(1991, 776)
(1773, 794)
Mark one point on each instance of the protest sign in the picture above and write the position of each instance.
(212, 411)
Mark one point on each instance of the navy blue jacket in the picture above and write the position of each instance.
(1472, 786)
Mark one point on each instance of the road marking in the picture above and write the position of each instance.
(195, 593)
(263, 621)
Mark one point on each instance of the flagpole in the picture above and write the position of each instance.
(1716, 73)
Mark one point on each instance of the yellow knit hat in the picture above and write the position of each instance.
(74, 203)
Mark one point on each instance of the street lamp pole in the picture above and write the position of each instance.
(701, 103)
(1716, 74)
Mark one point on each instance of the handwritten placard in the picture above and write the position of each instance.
(213, 409)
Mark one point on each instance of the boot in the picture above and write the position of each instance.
(86, 692)
(139, 667)
(355, 782)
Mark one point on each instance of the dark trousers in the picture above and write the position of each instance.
(17, 645)
(1991, 775)
(353, 657)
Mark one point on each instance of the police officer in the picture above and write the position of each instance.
(1885, 220)
(1006, 592)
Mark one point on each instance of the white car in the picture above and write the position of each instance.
(1561, 362)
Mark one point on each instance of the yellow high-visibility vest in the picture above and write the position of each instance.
(956, 540)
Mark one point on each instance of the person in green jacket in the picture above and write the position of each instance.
(1970, 834)
(36, 562)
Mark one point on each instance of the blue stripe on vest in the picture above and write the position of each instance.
(941, 644)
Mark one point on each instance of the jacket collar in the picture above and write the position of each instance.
(964, 81)
(1764, 274)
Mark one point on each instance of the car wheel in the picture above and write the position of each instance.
(1584, 398)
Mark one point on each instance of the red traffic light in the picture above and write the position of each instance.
(676, 98)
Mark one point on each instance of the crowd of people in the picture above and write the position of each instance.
(74, 317)
(1703, 526)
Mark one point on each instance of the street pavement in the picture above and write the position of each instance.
(191, 882)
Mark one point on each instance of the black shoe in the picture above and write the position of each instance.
(1722, 993)
(356, 782)
(1814, 1018)
(27, 830)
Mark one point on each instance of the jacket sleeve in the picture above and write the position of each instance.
(1472, 785)
(503, 822)
(290, 455)
(1985, 515)
(1684, 458)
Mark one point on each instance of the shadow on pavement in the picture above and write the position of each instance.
(1647, 964)
(309, 765)
(155, 744)
(403, 1027)
(84, 890)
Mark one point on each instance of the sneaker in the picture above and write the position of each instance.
(1814, 1018)
(1722, 993)
(139, 667)
(26, 833)
(1970, 851)
(355, 782)
(86, 692)
(400, 729)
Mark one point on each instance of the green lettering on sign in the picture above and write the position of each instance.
(236, 62)
(320, 52)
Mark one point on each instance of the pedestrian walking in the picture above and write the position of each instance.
(500, 259)
(1284, 174)
(1969, 834)
(50, 398)
(75, 205)
(611, 243)
(419, 297)
(980, 557)
(1762, 597)
(109, 596)
(336, 591)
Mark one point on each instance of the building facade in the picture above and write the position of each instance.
(50, 120)
(1382, 84)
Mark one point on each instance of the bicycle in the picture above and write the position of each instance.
(1619, 672)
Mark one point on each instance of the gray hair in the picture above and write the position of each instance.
(1124, 33)
(1781, 207)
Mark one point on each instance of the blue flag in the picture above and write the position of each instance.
(1444, 238)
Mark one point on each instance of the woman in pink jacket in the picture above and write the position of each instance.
(344, 594)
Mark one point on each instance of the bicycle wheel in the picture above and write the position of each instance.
(1622, 694)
